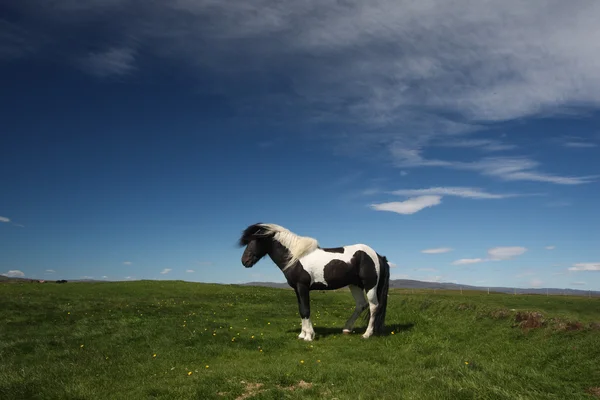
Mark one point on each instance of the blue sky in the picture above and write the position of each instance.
(137, 143)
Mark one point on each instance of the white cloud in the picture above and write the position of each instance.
(15, 273)
(426, 270)
(166, 271)
(4, 219)
(409, 206)
(127, 263)
(550, 247)
(437, 250)
(190, 271)
(497, 61)
(50, 271)
(467, 192)
(494, 254)
(585, 267)
(465, 261)
(105, 277)
(578, 283)
(506, 253)
(381, 65)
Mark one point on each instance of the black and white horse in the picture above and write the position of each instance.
(307, 267)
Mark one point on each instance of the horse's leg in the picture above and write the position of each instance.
(361, 305)
(302, 333)
(373, 303)
(308, 332)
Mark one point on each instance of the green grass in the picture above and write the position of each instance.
(98, 341)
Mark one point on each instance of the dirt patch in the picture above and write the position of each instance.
(594, 391)
(250, 390)
(595, 326)
(561, 325)
(299, 385)
(529, 320)
(500, 314)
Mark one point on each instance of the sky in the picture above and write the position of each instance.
(459, 139)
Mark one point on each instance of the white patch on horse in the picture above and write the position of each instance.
(314, 263)
(297, 245)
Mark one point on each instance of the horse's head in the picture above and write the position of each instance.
(258, 243)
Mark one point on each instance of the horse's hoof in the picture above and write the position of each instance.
(346, 332)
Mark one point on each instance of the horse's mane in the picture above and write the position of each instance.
(298, 246)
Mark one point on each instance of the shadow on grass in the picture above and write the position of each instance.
(323, 332)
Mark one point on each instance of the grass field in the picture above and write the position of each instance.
(178, 340)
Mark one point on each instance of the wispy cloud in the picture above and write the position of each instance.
(50, 271)
(409, 206)
(4, 219)
(581, 145)
(189, 271)
(466, 192)
(494, 254)
(550, 247)
(113, 61)
(585, 267)
(466, 261)
(498, 61)
(15, 273)
(579, 283)
(480, 144)
(166, 271)
(503, 168)
(505, 253)
(437, 250)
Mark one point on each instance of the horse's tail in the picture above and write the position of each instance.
(382, 294)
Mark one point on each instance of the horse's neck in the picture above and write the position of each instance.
(279, 254)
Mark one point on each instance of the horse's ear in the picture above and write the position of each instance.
(250, 233)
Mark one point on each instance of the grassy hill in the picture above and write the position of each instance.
(179, 340)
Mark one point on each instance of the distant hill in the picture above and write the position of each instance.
(394, 284)
(414, 284)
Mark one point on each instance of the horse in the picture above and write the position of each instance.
(307, 266)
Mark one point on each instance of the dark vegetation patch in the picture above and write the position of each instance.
(527, 320)
(594, 391)
(465, 306)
